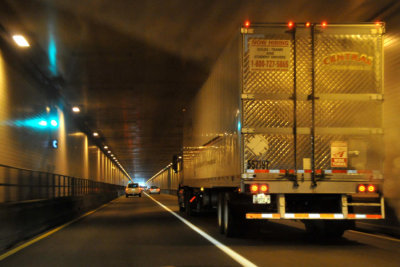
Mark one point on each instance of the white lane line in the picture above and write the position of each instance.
(37, 239)
(376, 236)
(234, 255)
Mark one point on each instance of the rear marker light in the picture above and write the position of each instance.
(361, 188)
(254, 188)
(371, 188)
(290, 24)
(247, 23)
(308, 24)
(324, 24)
(264, 188)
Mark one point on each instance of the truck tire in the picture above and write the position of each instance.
(220, 211)
(181, 195)
(231, 223)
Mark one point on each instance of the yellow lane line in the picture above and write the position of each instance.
(37, 239)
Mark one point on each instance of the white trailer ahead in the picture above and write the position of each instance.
(289, 126)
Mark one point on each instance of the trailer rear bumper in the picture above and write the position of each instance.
(348, 207)
(313, 216)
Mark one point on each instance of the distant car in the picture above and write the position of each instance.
(133, 189)
(154, 190)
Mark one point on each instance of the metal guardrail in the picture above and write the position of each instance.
(18, 184)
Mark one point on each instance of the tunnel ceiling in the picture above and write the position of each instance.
(134, 66)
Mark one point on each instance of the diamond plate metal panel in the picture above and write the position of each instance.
(303, 88)
(279, 153)
(303, 62)
(268, 113)
(348, 63)
(268, 81)
(348, 114)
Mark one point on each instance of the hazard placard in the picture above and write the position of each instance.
(339, 155)
(269, 55)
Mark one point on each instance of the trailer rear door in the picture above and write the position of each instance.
(312, 101)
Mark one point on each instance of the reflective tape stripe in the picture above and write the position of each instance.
(311, 216)
(339, 216)
(263, 216)
(271, 215)
(364, 216)
(310, 171)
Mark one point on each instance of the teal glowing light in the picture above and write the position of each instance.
(52, 52)
(54, 123)
(42, 123)
(37, 123)
(239, 126)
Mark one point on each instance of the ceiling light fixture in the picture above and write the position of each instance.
(20, 41)
(76, 109)
(95, 134)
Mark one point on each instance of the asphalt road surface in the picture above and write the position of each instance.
(139, 232)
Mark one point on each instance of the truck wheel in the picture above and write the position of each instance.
(231, 224)
(221, 204)
(181, 204)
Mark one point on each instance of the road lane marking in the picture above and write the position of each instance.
(377, 236)
(231, 253)
(37, 239)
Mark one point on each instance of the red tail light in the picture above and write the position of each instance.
(308, 24)
(324, 24)
(247, 23)
(371, 188)
(290, 24)
(361, 188)
(254, 188)
(264, 188)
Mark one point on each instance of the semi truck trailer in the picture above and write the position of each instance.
(288, 126)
